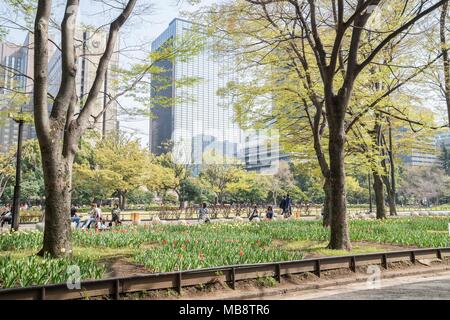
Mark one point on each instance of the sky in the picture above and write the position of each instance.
(142, 30)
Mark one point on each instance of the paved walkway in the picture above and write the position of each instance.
(422, 287)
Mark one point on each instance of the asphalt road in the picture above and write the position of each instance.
(421, 287)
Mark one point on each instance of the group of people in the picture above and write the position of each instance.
(96, 218)
(285, 206)
(255, 213)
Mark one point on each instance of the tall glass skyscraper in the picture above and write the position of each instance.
(199, 120)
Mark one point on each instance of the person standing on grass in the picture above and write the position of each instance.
(203, 213)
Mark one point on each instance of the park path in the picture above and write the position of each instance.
(417, 287)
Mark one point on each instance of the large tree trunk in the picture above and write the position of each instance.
(391, 202)
(122, 199)
(180, 199)
(338, 205)
(60, 130)
(379, 195)
(58, 186)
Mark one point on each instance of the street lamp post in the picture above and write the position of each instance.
(16, 199)
(105, 102)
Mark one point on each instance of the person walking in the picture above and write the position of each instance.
(288, 209)
(283, 206)
(203, 213)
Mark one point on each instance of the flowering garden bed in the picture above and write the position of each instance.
(162, 248)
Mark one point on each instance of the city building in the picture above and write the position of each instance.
(423, 153)
(16, 72)
(91, 45)
(260, 151)
(199, 121)
(443, 139)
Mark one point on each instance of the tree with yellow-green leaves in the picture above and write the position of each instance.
(6, 171)
(249, 187)
(323, 53)
(179, 174)
(62, 120)
(119, 165)
(219, 172)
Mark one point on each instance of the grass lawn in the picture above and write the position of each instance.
(161, 248)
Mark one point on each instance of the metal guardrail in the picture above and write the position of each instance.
(176, 280)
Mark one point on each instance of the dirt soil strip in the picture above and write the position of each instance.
(253, 289)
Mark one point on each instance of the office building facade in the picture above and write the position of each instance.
(15, 78)
(90, 47)
(198, 121)
(423, 153)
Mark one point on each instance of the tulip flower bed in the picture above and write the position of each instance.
(170, 247)
(34, 270)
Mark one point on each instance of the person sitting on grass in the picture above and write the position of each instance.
(94, 216)
(115, 214)
(269, 213)
(6, 216)
(74, 217)
(203, 213)
(254, 214)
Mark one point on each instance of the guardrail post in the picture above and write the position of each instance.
(179, 283)
(43, 293)
(384, 262)
(318, 268)
(278, 272)
(117, 289)
(233, 278)
(413, 257)
(353, 264)
(439, 254)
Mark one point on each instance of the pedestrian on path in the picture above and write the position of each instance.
(288, 206)
(283, 206)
